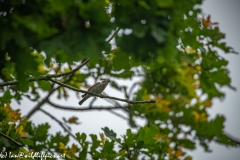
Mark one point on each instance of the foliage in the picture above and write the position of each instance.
(166, 43)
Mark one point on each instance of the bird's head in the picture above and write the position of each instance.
(105, 81)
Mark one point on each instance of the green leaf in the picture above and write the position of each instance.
(95, 142)
(44, 85)
(109, 133)
(4, 141)
(147, 134)
(108, 146)
(42, 131)
(81, 137)
(121, 61)
(27, 141)
(83, 152)
(165, 3)
(187, 143)
(6, 98)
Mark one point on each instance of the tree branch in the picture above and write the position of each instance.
(48, 76)
(84, 109)
(118, 115)
(110, 109)
(101, 96)
(237, 141)
(60, 123)
(44, 100)
(10, 139)
(114, 34)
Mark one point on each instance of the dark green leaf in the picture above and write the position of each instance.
(109, 133)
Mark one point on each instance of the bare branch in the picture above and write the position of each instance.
(9, 83)
(110, 109)
(237, 141)
(44, 100)
(93, 100)
(114, 34)
(47, 77)
(10, 139)
(101, 96)
(116, 104)
(60, 123)
(119, 115)
(85, 108)
(133, 86)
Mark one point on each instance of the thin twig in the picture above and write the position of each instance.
(44, 100)
(116, 104)
(10, 139)
(8, 83)
(118, 115)
(60, 123)
(93, 100)
(133, 86)
(85, 108)
(237, 141)
(101, 96)
(110, 109)
(48, 76)
(114, 34)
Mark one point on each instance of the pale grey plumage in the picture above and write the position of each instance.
(96, 88)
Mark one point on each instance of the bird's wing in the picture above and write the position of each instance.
(90, 89)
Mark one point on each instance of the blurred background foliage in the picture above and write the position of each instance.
(165, 42)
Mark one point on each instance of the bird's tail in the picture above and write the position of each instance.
(81, 102)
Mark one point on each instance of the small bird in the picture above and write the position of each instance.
(96, 88)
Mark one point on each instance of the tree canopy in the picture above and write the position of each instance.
(54, 46)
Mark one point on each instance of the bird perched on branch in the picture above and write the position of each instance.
(96, 88)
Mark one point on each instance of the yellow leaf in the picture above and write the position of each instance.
(9, 128)
(198, 67)
(73, 148)
(170, 150)
(207, 22)
(14, 115)
(65, 94)
(199, 117)
(179, 153)
(61, 146)
(73, 120)
(208, 103)
(158, 137)
(21, 132)
(162, 105)
(102, 138)
(107, 1)
(190, 50)
(121, 153)
(41, 68)
(162, 101)
(196, 115)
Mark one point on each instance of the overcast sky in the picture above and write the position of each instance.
(228, 15)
